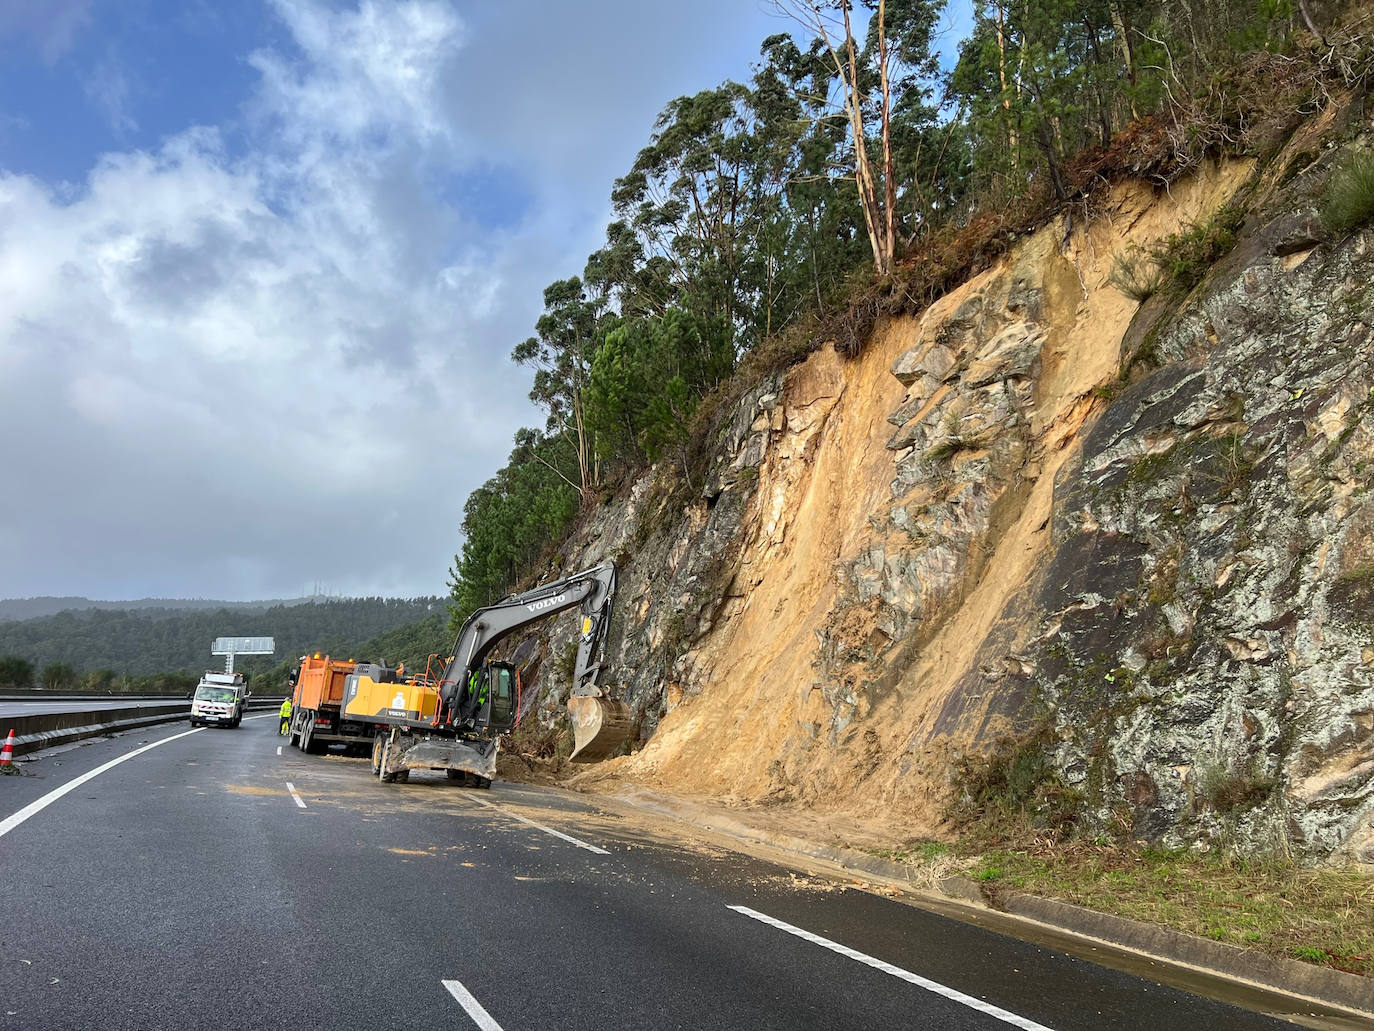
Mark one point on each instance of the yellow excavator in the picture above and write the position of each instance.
(453, 722)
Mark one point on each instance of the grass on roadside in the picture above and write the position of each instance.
(1320, 916)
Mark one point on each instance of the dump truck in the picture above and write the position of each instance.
(453, 721)
(316, 700)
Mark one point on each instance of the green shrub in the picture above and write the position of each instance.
(16, 671)
(1136, 274)
(1227, 790)
(1349, 199)
(1014, 785)
(58, 676)
(1185, 258)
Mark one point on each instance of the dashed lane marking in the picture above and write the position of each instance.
(295, 794)
(954, 995)
(10, 822)
(537, 826)
(279, 749)
(479, 1016)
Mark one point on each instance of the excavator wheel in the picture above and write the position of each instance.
(601, 728)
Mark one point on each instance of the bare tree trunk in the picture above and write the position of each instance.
(863, 169)
(889, 240)
(1002, 78)
(1123, 36)
(1307, 19)
(879, 216)
(1045, 137)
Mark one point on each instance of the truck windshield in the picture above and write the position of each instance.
(215, 694)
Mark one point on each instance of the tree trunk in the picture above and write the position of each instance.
(1002, 77)
(863, 169)
(889, 175)
(1123, 37)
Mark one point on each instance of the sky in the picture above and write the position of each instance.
(263, 262)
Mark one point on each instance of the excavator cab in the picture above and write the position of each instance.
(488, 699)
(500, 683)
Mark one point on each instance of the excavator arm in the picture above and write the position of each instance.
(600, 725)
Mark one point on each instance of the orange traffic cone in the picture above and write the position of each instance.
(7, 753)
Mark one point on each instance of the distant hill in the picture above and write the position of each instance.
(145, 640)
(34, 608)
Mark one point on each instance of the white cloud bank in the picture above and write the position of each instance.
(235, 374)
(275, 352)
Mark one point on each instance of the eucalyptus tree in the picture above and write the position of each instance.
(561, 355)
(509, 521)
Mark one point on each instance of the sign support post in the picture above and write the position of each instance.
(231, 646)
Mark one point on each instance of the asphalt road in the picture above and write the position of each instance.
(208, 882)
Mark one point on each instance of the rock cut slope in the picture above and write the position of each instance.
(966, 533)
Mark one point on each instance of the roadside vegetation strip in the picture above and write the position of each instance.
(952, 994)
(538, 826)
(465, 998)
(9, 823)
(1270, 905)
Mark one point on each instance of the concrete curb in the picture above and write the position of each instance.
(1291, 977)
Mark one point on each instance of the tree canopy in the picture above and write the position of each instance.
(763, 202)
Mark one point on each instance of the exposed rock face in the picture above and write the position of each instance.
(961, 533)
(1208, 640)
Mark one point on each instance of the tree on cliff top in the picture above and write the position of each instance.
(757, 204)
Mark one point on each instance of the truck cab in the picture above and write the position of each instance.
(219, 700)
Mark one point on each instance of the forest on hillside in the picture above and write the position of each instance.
(50, 605)
(100, 645)
(751, 228)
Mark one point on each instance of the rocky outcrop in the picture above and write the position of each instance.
(974, 529)
(1207, 654)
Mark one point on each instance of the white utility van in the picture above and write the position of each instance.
(219, 700)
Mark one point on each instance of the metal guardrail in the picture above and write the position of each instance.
(46, 729)
(28, 694)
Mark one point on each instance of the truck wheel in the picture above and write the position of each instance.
(307, 735)
(378, 743)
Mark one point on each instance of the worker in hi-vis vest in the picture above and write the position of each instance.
(285, 716)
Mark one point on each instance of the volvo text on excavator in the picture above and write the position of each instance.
(453, 723)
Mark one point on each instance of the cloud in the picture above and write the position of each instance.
(110, 92)
(274, 351)
(225, 351)
(52, 25)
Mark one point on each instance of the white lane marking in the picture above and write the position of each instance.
(279, 749)
(479, 1016)
(294, 794)
(538, 826)
(906, 975)
(10, 822)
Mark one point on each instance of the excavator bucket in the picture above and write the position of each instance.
(601, 728)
